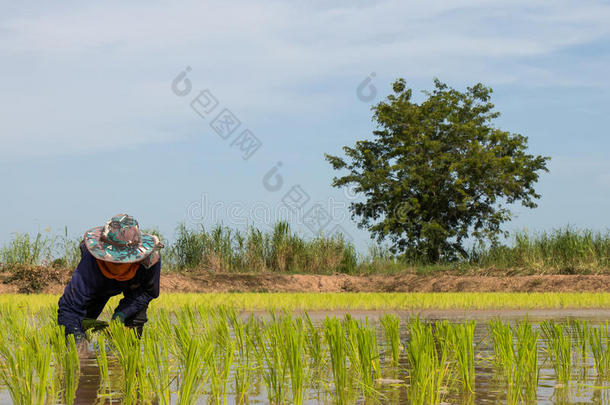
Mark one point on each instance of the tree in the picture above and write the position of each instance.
(437, 172)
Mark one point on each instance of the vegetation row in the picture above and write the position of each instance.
(214, 354)
(222, 249)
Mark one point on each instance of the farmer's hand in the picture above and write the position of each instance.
(119, 316)
(82, 345)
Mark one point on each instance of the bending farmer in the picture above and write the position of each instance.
(115, 258)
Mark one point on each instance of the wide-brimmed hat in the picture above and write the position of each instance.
(121, 241)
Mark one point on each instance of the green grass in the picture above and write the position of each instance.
(564, 251)
(281, 250)
(223, 249)
(348, 301)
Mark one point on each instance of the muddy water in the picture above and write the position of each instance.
(488, 390)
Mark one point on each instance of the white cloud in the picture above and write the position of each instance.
(105, 68)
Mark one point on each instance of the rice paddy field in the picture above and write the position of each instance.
(315, 348)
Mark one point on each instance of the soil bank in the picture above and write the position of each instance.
(272, 282)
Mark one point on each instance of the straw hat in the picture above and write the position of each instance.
(120, 241)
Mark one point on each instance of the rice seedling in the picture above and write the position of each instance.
(460, 338)
(387, 301)
(335, 338)
(67, 362)
(195, 351)
(599, 340)
(101, 356)
(220, 363)
(315, 345)
(345, 301)
(428, 366)
(580, 333)
(527, 358)
(25, 368)
(243, 372)
(516, 359)
(560, 347)
(391, 327)
(363, 353)
(269, 340)
(71, 366)
(156, 357)
(193, 376)
(127, 347)
(295, 335)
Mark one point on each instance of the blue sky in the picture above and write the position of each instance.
(91, 127)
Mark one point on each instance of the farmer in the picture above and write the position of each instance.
(115, 258)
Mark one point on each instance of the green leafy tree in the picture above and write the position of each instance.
(437, 172)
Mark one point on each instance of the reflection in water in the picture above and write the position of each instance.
(88, 382)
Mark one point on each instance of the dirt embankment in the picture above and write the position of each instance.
(382, 283)
(371, 283)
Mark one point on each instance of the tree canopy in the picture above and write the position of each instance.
(437, 172)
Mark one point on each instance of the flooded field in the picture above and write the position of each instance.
(222, 355)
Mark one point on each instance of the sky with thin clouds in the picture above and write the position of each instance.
(91, 126)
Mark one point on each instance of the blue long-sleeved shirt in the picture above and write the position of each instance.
(88, 285)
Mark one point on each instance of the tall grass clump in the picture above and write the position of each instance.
(564, 251)
(67, 251)
(379, 259)
(41, 249)
(26, 250)
(187, 251)
(223, 249)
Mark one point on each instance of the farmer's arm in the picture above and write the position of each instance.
(138, 299)
(77, 294)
